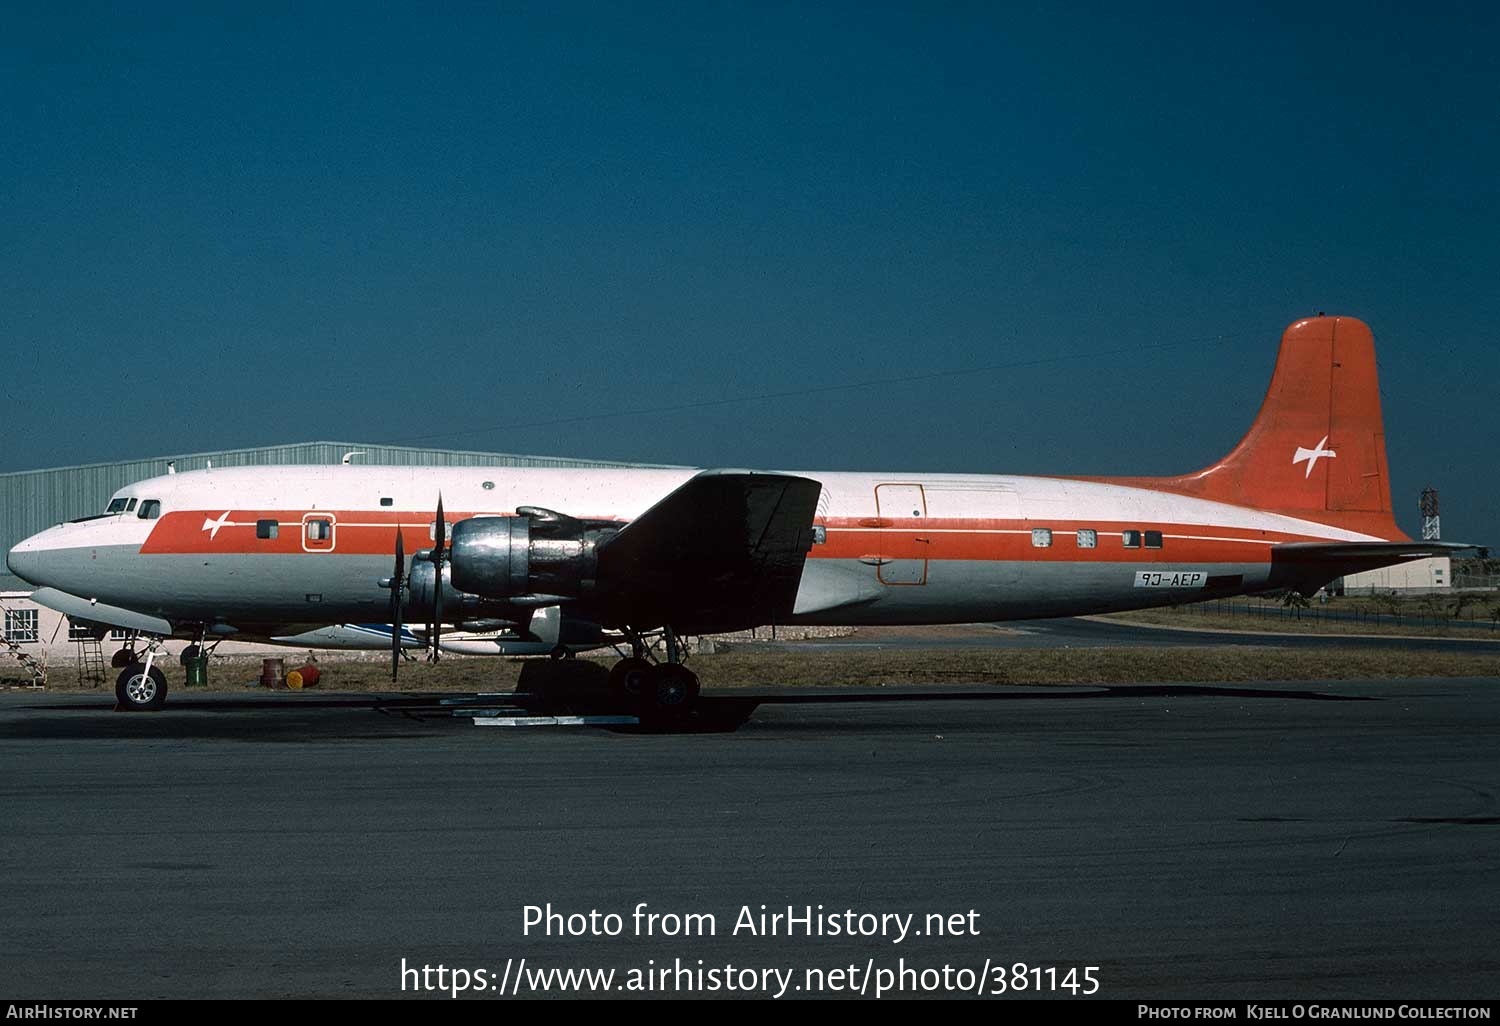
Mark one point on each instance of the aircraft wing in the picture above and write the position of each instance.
(81, 609)
(723, 552)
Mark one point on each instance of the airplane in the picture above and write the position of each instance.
(655, 554)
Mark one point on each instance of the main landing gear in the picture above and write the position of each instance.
(656, 691)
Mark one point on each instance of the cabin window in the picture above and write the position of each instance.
(266, 528)
(1041, 537)
(150, 509)
(386, 500)
(1088, 538)
(21, 626)
(819, 534)
(1153, 539)
(319, 530)
(1131, 539)
(116, 505)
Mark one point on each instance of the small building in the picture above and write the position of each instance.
(1431, 574)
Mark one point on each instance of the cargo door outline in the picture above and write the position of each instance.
(902, 511)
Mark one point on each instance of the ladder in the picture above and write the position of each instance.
(33, 666)
(90, 662)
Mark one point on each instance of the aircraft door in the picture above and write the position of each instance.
(318, 532)
(902, 510)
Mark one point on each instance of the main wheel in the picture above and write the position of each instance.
(137, 690)
(627, 678)
(670, 690)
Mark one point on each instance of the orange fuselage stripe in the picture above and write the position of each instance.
(373, 533)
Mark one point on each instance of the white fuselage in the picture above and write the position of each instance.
(888, 548)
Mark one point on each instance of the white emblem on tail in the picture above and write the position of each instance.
(212, 526)
(1313, 455)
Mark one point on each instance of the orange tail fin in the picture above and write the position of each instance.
(1317, 447)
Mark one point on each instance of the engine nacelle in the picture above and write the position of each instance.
(458, 606)
(537, 552)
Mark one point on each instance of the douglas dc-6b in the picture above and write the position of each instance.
(255, 552)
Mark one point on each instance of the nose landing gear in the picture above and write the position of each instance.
(141, 686)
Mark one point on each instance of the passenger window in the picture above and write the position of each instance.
(386, 500)
(1132, 539)
(266, 528)
(150, 509)
(1153, 539)
(819, 534)
(1088, 538)
(319, 530)
(1041, 537)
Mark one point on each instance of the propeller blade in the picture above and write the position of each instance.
(397, 582)
(437, 614)
(440, 538)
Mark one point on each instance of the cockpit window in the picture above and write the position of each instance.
(130, 506)
(116, 505)
(150, 509)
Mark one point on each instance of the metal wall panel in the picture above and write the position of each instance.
(32, 500)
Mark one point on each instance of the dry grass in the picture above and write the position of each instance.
(752, 667)
(1183, 619)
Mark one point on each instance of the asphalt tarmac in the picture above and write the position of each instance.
(1276, 841)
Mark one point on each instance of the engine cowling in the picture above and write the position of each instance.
(534, 553)
(458, 606)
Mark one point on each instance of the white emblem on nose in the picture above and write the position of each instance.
(1311, 456)
(212, 526)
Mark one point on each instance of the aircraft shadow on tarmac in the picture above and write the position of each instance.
(578, 691)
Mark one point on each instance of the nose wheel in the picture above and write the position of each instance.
(140, 688)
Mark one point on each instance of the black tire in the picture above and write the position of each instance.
(189, 654)
(670, 691)
(628, 677)
(137, 691)
(122, 658)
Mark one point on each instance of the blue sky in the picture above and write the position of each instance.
(459, 225)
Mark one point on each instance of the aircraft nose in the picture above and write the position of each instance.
(26, 558)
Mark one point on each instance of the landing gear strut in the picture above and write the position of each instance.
(142, 686)
(658, 691)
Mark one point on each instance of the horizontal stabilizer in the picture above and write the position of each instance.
(1308, 566)
(1382, 553)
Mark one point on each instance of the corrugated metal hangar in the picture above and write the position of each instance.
(33, 500)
